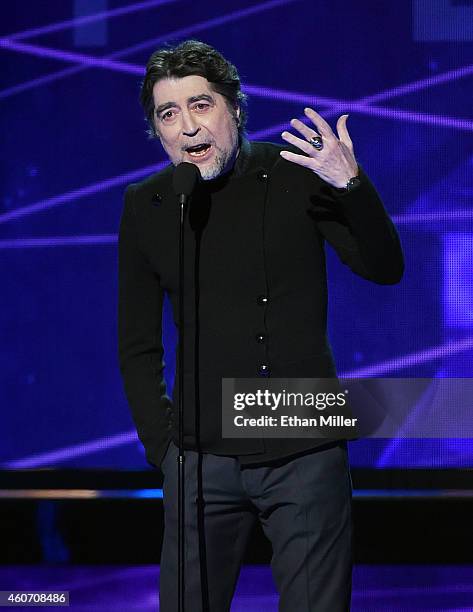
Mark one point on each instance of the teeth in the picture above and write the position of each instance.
(198, 153)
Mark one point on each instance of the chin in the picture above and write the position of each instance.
(209, 173)
(218, 166)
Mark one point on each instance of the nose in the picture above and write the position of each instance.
(189, 124)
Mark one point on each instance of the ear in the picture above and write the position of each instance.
(237, 115)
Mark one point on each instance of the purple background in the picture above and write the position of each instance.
(73, 136)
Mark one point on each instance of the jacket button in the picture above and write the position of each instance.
(260, 338)
(156, 199)
(262, 300)
(263, 370)
(262, 176)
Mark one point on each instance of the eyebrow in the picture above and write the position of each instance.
(162, 107)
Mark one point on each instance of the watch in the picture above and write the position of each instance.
(353, 183)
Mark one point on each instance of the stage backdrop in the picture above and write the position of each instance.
(73, 137)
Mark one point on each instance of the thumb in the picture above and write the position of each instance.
(342, 132)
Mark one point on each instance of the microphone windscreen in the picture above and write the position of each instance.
(185, 178)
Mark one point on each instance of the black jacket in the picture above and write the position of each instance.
(255, 288)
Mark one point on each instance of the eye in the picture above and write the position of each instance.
(167, 116)
(201, 106)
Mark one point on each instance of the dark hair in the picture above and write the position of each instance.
(188, 58)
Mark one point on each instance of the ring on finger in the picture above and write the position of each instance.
(317, 142)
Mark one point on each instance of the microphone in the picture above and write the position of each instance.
(184, 180)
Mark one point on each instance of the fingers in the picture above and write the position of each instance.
(302, 128)
(333, 144)
(301, 144)
(342, 132)
(322, 126)
(301, 160)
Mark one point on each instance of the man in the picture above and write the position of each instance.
(255, 302)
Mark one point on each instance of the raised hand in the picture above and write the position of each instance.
(330, 157)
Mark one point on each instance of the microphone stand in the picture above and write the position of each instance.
(181, 456)
(185, 178)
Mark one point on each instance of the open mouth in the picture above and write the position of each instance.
(198, 150)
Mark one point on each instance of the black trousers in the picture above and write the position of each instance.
(304, 506)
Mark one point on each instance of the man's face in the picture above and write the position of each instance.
(195, 124)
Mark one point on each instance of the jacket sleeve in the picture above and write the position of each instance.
(358, 227)
(140, 349)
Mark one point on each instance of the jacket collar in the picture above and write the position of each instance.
(242, 163)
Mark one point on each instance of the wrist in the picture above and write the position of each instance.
(350, 183)
(353, 183)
